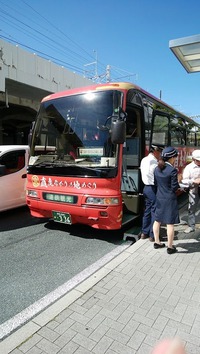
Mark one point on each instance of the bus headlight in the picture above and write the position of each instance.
(32, 193)
(102, 201)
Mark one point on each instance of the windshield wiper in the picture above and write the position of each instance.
(43, 163)
(94, 170)
(51, 163)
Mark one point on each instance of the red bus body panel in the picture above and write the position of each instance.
(106, 216)
(98, 216)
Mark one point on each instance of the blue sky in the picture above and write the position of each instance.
(132, 36)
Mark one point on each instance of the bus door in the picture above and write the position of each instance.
(160, 131)
(130, 185)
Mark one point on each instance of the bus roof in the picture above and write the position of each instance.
(123, 86)
(107, 86)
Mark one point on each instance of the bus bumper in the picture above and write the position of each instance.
(106, 218)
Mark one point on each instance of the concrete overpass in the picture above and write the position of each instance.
(25, 79)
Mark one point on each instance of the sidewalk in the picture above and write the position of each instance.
(140, 297)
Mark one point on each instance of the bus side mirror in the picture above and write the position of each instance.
(118, 131)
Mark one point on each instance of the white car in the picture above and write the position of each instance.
(13, 165)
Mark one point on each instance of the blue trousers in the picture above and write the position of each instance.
(149, 193)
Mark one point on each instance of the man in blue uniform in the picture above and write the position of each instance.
(147, 167)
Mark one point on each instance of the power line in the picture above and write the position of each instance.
(58, 29)
(196, 116)
(19, 25)
(38, 33)
(79, 56)
(43, 54)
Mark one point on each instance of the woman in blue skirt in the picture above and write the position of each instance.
(166, 180)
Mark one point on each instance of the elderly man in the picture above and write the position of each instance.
(191, 179)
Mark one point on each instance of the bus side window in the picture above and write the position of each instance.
(192, 134)
(198, 138)
(190, 138)
(132, 152)
(160, 131)
(131, 124)
(177, 131)
(177, 136)
(132, 145)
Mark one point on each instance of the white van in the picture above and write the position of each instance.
(13, 164)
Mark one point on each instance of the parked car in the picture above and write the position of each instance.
(13, 164)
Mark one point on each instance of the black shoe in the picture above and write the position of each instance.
(159, 245)
(143, 236)
(171, 250)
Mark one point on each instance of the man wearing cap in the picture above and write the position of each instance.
(191, 179)
(147, 167)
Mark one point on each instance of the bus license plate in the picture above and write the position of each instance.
(64, 218)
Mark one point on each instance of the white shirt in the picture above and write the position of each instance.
(147, 166)
(190, 172)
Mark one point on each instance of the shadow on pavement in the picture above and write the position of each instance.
(84, 231)
(189, 247)
(17, 219)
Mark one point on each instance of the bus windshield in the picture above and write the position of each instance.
(73, 133)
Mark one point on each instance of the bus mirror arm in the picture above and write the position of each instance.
(104, 127)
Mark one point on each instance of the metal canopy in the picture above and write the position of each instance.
(187, 51)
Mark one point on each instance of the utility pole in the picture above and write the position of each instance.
(106, 76)
(123, 73)
(96, 64)
(108, 73)
(94, 76)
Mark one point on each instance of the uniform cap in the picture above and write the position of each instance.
(196, 155)
(169, 152)
(157, 147)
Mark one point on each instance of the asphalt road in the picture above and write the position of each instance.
(38, 256)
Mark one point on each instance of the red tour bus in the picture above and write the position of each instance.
(86, 147)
